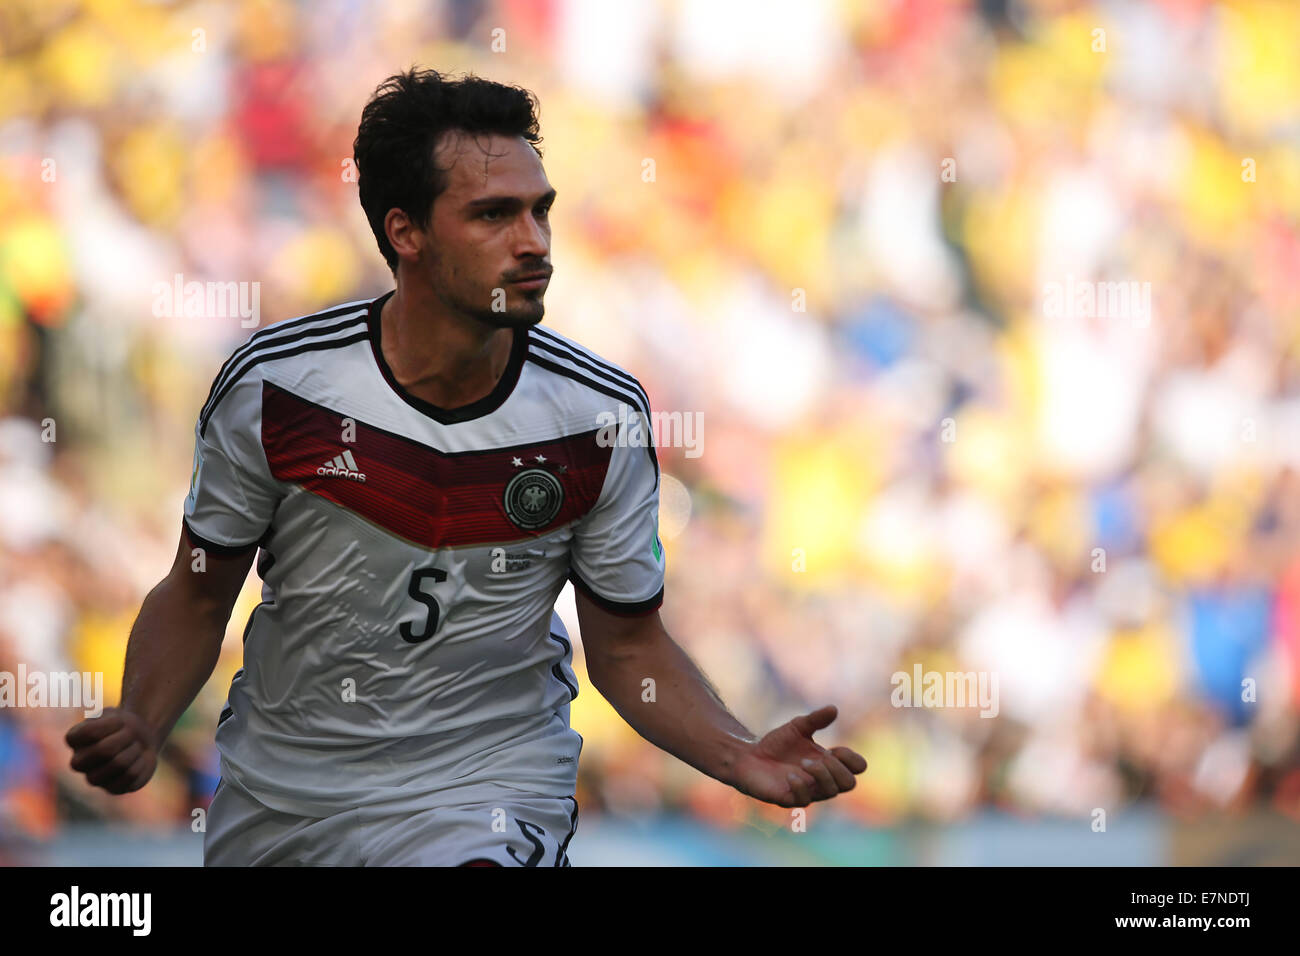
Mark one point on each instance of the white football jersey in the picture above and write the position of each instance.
(411, 557)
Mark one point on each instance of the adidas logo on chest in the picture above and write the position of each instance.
(342, 466)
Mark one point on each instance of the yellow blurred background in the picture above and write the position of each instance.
(833, 229)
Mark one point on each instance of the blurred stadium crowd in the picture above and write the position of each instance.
(839, 255)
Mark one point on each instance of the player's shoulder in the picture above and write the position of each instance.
(567, 361)
(296, 339)
(295, 336)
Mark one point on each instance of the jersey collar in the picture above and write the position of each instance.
(449, 416)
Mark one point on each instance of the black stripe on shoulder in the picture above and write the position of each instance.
(257, 344)
(589, 376)
(638, 400)
(571, 346)
(603, 386)
(261, 335)
(576, 353)
(261, 357)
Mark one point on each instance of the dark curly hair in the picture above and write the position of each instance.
(401, 125)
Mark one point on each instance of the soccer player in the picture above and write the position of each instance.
(421, 473)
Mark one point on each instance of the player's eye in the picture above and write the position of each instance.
(544, 211)
(490, 214)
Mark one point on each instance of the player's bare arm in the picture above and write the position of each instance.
(688, 719)
(171, 653)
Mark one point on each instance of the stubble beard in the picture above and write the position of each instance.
(518, 316)
(523, 317)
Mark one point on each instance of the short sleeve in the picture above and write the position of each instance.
(616, 557)
(232, 496)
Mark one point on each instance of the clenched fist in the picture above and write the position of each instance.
(115, 751)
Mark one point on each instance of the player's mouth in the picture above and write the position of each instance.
(536, 280)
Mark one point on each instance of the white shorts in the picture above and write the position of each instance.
(516, 829)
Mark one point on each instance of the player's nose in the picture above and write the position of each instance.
(532, 240)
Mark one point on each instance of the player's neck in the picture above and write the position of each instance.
(445, 359)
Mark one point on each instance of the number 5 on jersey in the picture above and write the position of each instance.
(418, 577)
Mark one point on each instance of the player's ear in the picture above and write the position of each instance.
(406, 238)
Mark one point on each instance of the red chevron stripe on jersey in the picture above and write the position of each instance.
(431, 498)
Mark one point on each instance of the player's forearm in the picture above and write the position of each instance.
(665, 697)
(172, 651)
